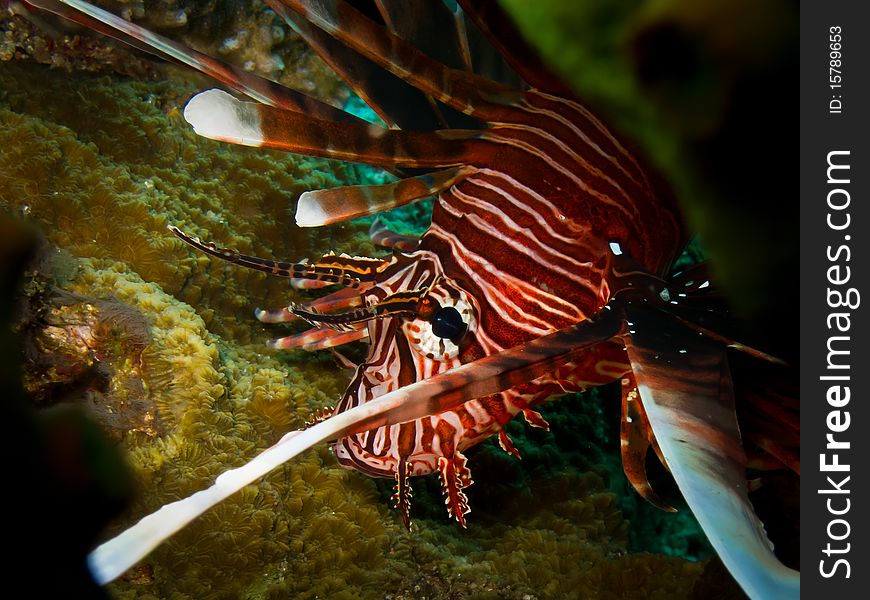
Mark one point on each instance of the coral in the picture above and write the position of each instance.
(45, 40)
(217, 404)
(104, 166)
(65, 480)
(81, 348)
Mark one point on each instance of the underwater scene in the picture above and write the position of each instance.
(550, 247)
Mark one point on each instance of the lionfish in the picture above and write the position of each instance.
(542, 271)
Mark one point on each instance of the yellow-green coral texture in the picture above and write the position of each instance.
(102, 166)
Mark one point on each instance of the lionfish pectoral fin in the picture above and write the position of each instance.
(383, 236)
(217, 115)
(255, 87)
(280, 315)
(402, 496)
(320, 338)
(317, 338)
(324, 207)
(342, 299)
(535, 419)
(455, 477)
(438, 393)
(684, 382)
(507, 444)
(635, 443)
(341, 360)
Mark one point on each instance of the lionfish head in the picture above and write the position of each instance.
(419, 323)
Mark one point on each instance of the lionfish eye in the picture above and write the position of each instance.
(443, 320)
(448, 324)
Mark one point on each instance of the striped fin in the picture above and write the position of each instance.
(501, 32)
(281, 315)
(684, 382)
(767, 434)
(431, 27)
(406, 304)
(434, 29)
(769, 410)
(298, 283)
(778, 453)
(394, 101)
(455, 477)
(217, 115)
(255, 87)
(343, 298)
(402, 496)
(381, 235)
(346, 270)
(507, 444)
(439, 393)
(324, 207)
(462, 38)
(462, 91)
(635, 444)
(318, 339)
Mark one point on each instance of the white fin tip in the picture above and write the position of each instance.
(217, 115)
(309, 212)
